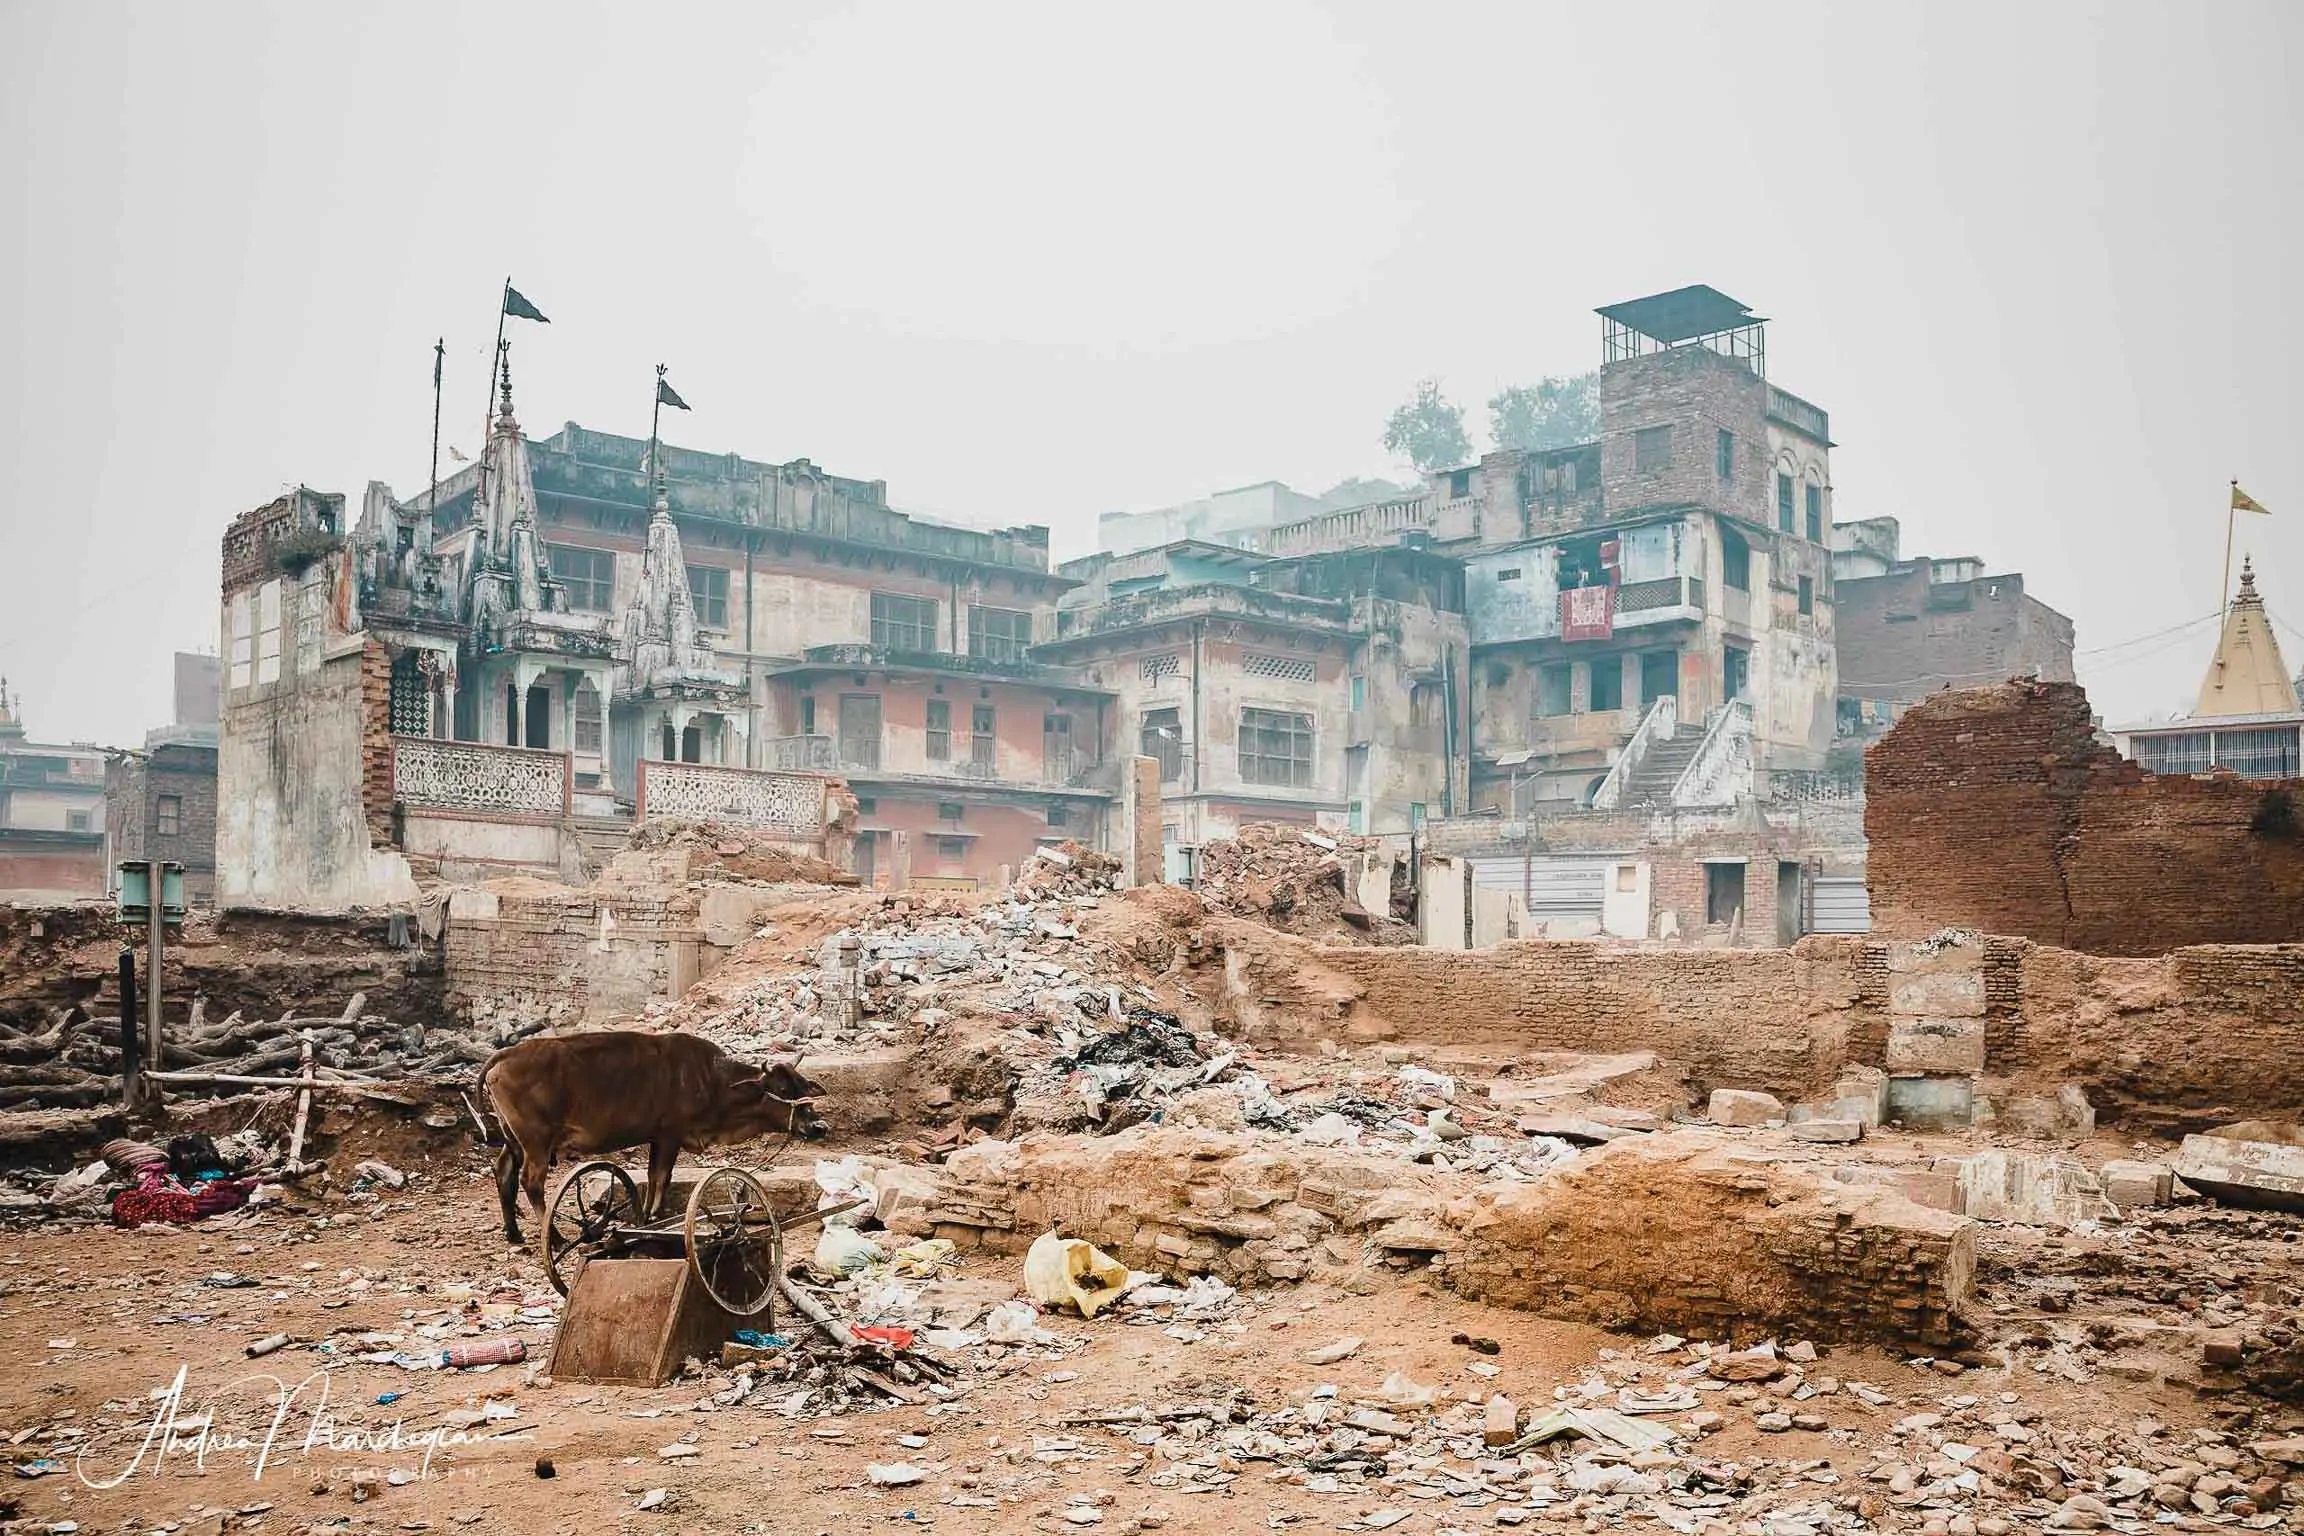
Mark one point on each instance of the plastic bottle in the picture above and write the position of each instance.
(485, 1352)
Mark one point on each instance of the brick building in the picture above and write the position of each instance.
(1909, 627)
(160, 803)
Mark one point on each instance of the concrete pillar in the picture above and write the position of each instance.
(1140, 853)
(1442, 911)
(899, 860)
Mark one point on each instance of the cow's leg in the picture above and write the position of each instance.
(536, 1163)
(508, 1160)
(662, 1157)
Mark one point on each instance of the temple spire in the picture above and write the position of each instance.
(2248, 676)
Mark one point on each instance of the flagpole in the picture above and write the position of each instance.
(655, 419)
(432, 502)
(2224, 592)
(488, 390)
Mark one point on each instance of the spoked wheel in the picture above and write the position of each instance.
(593, 1202)
(734, 1244)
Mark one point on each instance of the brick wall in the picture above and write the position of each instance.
(1996, 809)
(1662, 1233)
(376, 742)
(2187, 1039)
(133, 788)
(1903, 637)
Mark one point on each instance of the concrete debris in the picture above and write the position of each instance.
(1310, 884)
(2256, 1163)
(1742, 1107)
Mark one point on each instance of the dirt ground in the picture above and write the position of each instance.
(97, 1322)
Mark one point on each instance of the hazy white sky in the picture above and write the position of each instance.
(1031, 262)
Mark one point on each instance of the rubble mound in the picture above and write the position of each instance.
(730, 851)
(1297, 881)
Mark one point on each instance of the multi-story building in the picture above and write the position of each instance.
(160, 801)
(1324, 689)
(1909, 627)
(569, 636)
(51, 813)
(1238, 518)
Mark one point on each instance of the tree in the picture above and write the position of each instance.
(1557, 413)
(1429, 430)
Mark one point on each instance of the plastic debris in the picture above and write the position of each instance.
(1064, 1271)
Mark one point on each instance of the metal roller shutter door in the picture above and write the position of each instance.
(1839, 904)
(1552, 886)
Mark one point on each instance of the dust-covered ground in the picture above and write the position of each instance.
(99, 1323)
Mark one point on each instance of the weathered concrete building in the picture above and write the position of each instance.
(160, 801)
(1238, 518)
(51, 813)
(502, 681)
(1326, 689)
(1909, 627)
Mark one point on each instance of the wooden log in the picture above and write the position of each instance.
(808, 1307)
(303, 1109)
(243, 1080)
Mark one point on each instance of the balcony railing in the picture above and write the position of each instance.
(788, 803)
(803, 754)
(1798, 414)
(1659, 601)
(467, 776)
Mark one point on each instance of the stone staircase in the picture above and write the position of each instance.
(598, 839)
(1651, 782)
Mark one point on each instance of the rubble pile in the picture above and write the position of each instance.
(1628, 1442)
(1299, 881)
(730, 850)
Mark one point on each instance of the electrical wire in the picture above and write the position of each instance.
(2120, 645)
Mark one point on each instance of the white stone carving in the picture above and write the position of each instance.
(790, 803)
(466, 776)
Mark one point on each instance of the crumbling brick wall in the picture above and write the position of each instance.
(376, 742)
(1669, 1233)
(1663, 1232)
(2185, 1039)
(1997, 809)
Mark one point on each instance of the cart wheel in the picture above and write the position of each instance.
(734, 1245)
(593, 1201)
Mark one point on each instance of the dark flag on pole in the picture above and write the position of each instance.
(517, 306)
(667, 395)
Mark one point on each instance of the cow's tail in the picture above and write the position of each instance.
(484, 1116)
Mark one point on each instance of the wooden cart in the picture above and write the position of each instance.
(645, 1295)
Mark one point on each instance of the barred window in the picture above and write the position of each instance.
(1162, 737)
(708, 590)
(2259, 754)
(939, 730)
(1276, 748)
(168, 815)
(1156, 669)
(2184, 753)
(998, 634)
(589, 575)
(901, 623)
(1294, 669)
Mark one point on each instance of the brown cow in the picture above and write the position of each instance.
(612, 1089)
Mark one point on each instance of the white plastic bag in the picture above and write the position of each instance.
(1064, 1271)
(844, 1180)
(1014, 1322)
(842, 1250)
